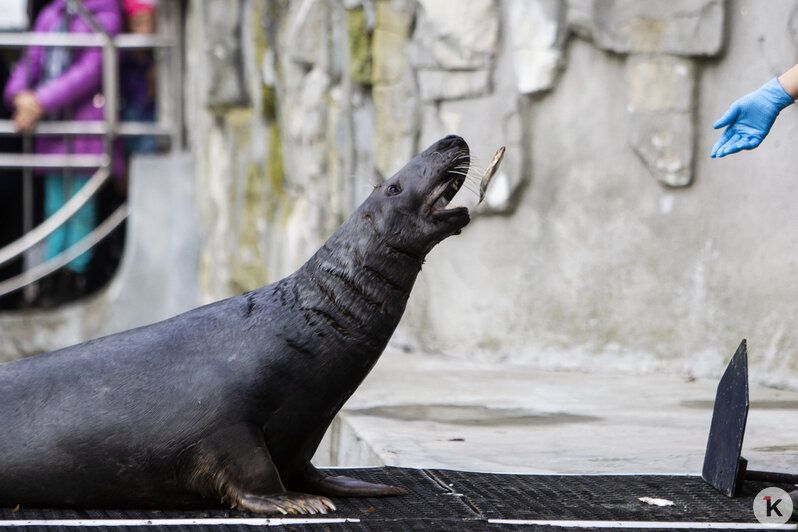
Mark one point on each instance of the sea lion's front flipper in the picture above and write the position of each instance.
(288, 503)
(235, 465)
(343, 486)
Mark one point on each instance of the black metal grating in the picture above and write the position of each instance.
(599, 498)
(458, 500)
(425, 499)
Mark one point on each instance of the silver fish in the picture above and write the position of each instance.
(489, 173)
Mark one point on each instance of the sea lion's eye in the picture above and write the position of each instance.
(393, 190)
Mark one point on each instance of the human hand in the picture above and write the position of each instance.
(27, 112)
(142, 22)
(749, 119)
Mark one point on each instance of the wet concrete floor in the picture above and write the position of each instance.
(418, 410)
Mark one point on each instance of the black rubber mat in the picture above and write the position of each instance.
(599, 498)
(458, 500)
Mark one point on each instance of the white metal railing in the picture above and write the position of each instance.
(34, 236)
(169, 121)
(169, 124)
(76, 250)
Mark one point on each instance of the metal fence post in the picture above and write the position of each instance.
(111, 95)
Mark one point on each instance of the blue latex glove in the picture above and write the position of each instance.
(749, 119)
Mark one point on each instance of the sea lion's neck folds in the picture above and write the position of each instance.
(357, 286)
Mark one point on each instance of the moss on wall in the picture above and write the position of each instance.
(239, 119)
(259, 190)
(268, 98)
(249, 266)
(236, 131)
(360, 62)
(275, 174)
(261, 19)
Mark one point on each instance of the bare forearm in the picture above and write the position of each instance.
(789, 80)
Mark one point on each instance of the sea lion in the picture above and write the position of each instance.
(229, 401)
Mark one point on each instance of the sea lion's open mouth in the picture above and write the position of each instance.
(452, 181)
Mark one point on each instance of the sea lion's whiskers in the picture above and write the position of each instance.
(471, 181)
(468, 174)
(476, 160)
(468, 171)
(471, 186)
(471, 189)
(458, 171)
(476, 169)
(474, 175)
(462, 169)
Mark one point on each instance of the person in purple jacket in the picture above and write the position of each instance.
(65, 83)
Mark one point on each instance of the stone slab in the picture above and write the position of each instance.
(457, 38)
(536, 32)
(660, 83)
(224, 55)
(665, 143)
(681, 27)
(437, 85)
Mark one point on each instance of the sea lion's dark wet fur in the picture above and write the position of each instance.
(229, 401)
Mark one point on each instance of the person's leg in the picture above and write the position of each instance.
(54, 200)
(80, 225)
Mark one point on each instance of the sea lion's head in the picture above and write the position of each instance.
(410, 209)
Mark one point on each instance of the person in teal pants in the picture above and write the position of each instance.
(62, 83)
(57, 190)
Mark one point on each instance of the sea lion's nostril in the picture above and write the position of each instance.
(448, 143)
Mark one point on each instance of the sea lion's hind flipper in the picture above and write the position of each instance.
(342, 486)
(234, 465)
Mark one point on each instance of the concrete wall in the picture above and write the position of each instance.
(610, 240)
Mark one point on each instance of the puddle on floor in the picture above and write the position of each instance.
(791, 448)
(471, 415)
(755, 405)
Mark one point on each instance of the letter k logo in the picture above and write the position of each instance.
(772, 506)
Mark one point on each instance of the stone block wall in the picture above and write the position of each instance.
(609, 241)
